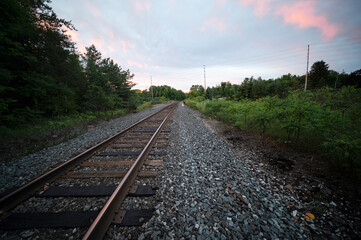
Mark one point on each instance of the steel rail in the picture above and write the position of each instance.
(102, 222)
(19, 195)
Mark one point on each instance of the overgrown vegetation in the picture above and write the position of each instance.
(325, 120)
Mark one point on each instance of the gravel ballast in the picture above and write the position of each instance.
(195, 200)
(206, 189)
(19, 171)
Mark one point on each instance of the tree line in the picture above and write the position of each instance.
(156, 92)
(319, 76)
(44, 76)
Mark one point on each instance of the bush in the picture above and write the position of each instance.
(325, 121)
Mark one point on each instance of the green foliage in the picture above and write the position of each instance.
(144, 106)
(346, 151)
(325, 121)
(196, 91)
(41, 73)
(160, 94)
(319, 75)
(46, 125)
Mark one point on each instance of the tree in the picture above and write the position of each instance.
(196, 90)
(319, 75)
(209, 93)
(38, 62)
(354, 79)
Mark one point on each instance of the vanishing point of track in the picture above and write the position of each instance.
(148, 134)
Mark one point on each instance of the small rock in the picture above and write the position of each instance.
(326, 191)
(288, 187)
(141, 237)
(86, 207)
(27, 234)
(313, 226)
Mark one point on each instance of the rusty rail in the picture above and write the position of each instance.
(14, 198)
(102, 222)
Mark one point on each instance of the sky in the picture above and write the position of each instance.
(181, 43)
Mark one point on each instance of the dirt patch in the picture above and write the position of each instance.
(323, 189)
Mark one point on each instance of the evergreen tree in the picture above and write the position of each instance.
(318, 75)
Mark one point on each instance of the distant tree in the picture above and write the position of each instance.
(108, 85)
(318, 75)
(209, 92)
(354, 79)
(164, 91)
(228, 91)
(196, 90)
(246, 87)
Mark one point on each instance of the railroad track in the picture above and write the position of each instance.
(108, 169)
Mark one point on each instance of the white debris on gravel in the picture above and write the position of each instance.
(16, 172)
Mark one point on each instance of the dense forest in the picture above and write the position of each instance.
(44, 76)
(324, 120)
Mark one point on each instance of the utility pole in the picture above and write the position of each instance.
(151, 85)
(204, 68)
(308, 54)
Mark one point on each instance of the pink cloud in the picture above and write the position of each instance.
(111, 34)
(97, 42)
(94, 10)
(214, 23)
(220, 2)
(111, 48)
(74, 35)
(126, 45)
(303, 14)
(261, 7)
(137, 64)
(141, 6)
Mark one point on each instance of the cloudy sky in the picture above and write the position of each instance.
(173, 39)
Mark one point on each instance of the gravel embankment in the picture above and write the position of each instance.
(19, 171)
(195, 202)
